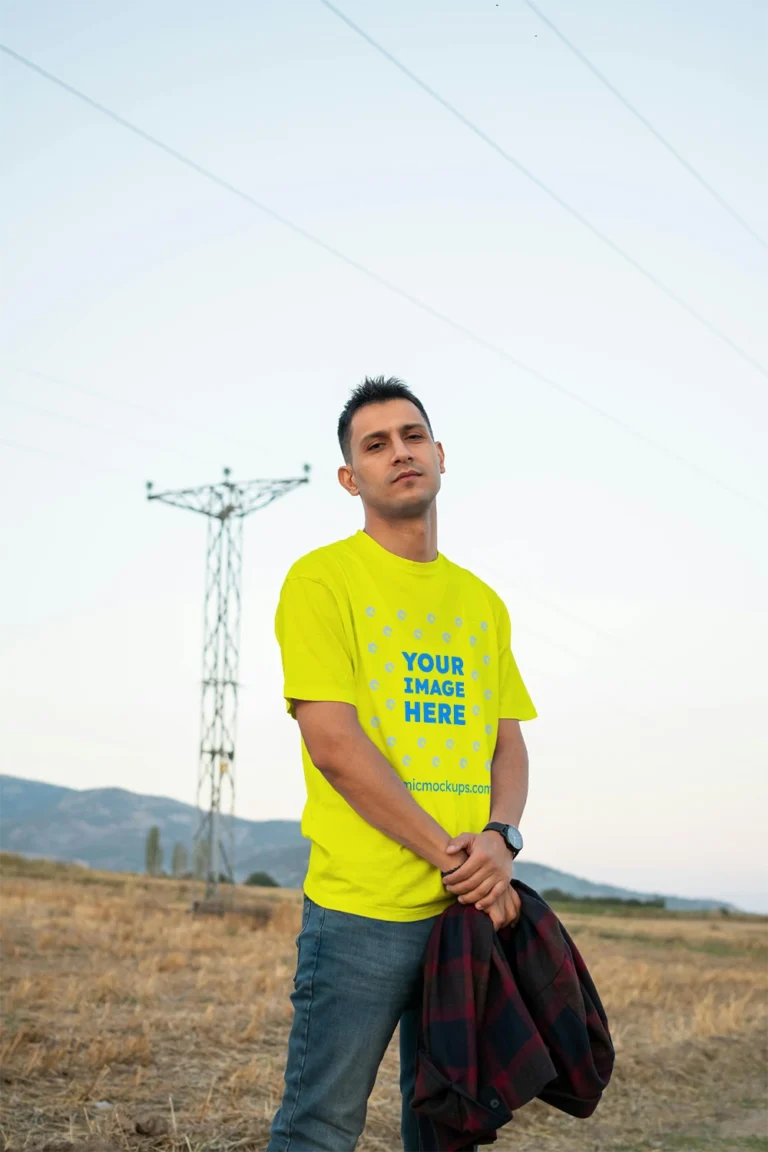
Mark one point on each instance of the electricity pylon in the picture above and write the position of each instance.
(226, 505)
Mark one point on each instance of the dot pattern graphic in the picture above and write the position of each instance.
(472, 675)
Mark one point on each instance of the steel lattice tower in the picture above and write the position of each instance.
(226, 505)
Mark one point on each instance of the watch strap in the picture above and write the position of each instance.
(496, 826)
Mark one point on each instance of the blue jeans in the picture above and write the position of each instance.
(356, 978)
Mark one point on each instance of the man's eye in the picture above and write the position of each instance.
(416, 434)
(370, 446)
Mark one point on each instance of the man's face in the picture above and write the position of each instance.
(387, 440)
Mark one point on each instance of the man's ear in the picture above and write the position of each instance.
(347, 480)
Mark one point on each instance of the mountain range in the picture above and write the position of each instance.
(106, 828)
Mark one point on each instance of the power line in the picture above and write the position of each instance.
(578, 656)
(34, 450)
(297, 229)
(558, 199)
(91, 427)
(119, 400)
(5, 443)
(564, 612)
(504, 578)
(646, 123)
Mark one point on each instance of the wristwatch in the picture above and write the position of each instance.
(511, 835)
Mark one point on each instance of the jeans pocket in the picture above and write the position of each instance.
(305, 912)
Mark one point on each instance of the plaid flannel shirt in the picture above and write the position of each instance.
(505, 1018)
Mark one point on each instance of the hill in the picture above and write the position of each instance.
(106, 828)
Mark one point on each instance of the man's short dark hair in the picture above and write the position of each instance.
(374, 390)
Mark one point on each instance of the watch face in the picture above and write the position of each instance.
(514, 839)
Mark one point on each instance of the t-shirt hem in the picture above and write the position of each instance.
(521, 715)
(334, 695)
(375, 912)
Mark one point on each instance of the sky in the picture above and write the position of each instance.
(156, 327)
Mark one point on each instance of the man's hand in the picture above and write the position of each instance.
(486, 874)
(505, 910)
(356, 769)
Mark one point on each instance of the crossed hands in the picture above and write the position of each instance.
(484, 877)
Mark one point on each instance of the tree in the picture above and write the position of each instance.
(153, 853)
(557, 896)
(262, 880)
(200, 859)
(179, 860)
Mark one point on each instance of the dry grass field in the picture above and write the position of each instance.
(122, 1012)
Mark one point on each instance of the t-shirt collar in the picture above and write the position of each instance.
(375, 553)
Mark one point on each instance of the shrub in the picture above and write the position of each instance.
(262, 880)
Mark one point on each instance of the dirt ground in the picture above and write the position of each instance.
(121, 1012)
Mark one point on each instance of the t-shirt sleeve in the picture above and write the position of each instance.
(514, 701)
(317, 662)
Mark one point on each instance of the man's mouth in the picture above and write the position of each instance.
(405, 475)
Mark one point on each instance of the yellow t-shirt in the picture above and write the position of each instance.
(422, 650)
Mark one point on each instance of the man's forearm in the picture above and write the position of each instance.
(364, 777)
(509, 781)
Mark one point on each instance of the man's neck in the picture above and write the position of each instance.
(411, 539)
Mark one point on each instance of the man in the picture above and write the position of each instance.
(399, 671)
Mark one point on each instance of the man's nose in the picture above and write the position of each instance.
(401, 450)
